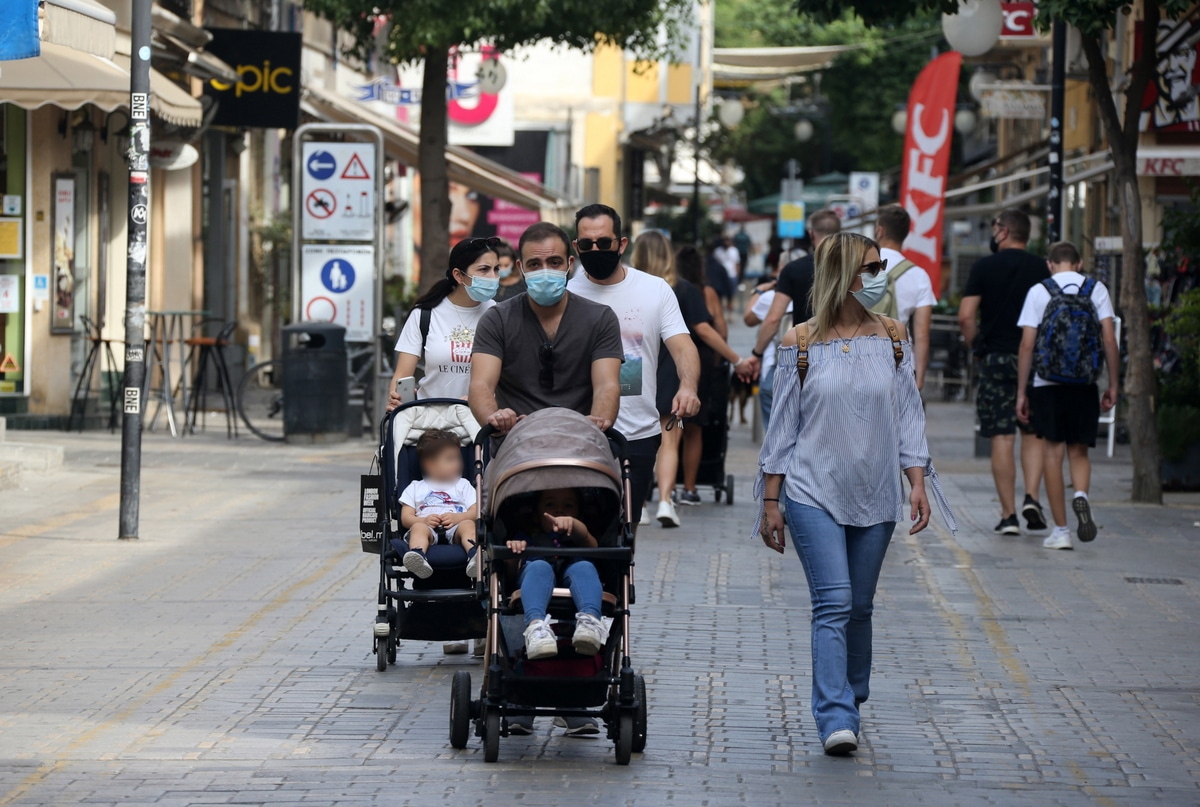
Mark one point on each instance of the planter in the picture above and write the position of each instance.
(1185, 473)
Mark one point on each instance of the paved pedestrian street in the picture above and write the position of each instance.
(225, 658)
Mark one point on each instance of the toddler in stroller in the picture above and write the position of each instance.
(440, 507)
(558, 514)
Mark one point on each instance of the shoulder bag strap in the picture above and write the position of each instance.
(426, 319)
(802, 354)
(897, 345)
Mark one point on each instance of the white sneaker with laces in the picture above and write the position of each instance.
(540, 641)
(667, 515)
(590, 635)
(416, 563)
(1059, 539)
(841, 742)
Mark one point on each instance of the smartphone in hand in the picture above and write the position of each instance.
(406, 388)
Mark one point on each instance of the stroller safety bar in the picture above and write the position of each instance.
(434, 595)
(588, 553)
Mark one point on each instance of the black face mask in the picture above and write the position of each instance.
(600, 264)
(994, 245)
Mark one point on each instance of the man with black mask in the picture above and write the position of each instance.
(649, 315)
(995, 291)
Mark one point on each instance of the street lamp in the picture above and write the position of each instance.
(965, 121)
(975, 28)
(900, 120)
(803, 130)
(730, 112)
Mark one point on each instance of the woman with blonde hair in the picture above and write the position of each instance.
(652, 254)
(847, 423)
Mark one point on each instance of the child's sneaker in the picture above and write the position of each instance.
(540, 641)
(473, 563)
(415, 562)
(590, 635)
(1083, 512)
(1059, 539)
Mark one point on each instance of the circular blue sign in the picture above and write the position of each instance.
(321, 165)
(337, 275)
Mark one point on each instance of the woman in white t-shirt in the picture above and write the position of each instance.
(455, 305)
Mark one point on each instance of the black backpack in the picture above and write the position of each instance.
(1068, 349)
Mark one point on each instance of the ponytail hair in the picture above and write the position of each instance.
(465, 253)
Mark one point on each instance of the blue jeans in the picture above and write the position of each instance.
(842, 565)
(766, 394)
(537, 582)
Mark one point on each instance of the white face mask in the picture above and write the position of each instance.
(874, 287)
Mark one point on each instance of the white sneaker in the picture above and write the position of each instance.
(473, 564)
(1059, 539)
(667, 515)
(540, 641)
(841, 743)
(416, 563)
(590, 635)
(645, 520)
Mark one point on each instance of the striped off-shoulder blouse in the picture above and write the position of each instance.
(843, 439)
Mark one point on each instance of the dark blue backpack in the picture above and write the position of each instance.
(1068, 349)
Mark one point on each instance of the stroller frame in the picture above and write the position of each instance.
(621, 689)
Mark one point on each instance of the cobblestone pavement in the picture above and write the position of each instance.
(225, 658)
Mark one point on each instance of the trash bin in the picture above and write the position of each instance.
(314, 382)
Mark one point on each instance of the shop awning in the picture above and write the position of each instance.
(65, 78)
(179, 43)
(1076, 169)
(765, 64)
(478, 173)
(168, 101)
(83, 25)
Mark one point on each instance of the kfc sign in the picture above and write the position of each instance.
(1160, 161)
(926, 161)
(1018, 21)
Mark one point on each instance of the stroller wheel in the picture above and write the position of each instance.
(640, 717)
(460, 709)
(729, 489)
(624, 738)
(392, 646)
(491, 735)
(381, 654)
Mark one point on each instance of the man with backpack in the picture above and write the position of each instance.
(909, 294)
(1067, 324)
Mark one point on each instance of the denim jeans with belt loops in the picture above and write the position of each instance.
(842, 565)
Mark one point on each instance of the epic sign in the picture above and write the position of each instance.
(927, 159)
(267, 92)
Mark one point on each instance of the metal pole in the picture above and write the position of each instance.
(135, 271)
(1054, 196)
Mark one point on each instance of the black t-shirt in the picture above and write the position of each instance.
(510, 331)
(796, 281)
(1000, 282)
(695, 312)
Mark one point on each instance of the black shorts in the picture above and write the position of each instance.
(642, 455)
(1065, 413)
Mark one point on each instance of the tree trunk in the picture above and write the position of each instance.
(431, 163)
(1140, 380)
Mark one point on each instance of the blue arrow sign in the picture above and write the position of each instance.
(337, 275)
(321, 165)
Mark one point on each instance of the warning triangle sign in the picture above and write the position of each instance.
(355, 169)
(9, 364)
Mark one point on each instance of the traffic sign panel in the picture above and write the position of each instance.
(338, 204)
(337, 285)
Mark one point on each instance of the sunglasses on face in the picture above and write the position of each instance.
(490, 243)
(546, 357)
(586, 244)
(874, 267)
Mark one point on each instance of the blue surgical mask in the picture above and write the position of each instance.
(873, 290)
(482, 289)
(546, 286)
(504, 272)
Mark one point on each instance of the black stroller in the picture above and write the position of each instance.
(554, 448)
(715, 433)
(444, 607)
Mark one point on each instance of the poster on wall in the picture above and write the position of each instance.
(1171, 103)
(62, 236)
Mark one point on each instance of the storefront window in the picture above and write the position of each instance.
(12, 250)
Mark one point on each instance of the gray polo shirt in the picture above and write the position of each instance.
(511, 332)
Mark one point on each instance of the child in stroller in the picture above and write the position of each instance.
(440, 507)
(558, 525)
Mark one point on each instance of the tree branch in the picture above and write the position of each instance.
(1098, 74)
(1145, 68)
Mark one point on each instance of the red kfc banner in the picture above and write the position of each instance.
(1018, 20)
(927, 160)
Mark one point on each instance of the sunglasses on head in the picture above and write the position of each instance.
(546, 357)
(586, 244)
(490, 243)
(874, 267)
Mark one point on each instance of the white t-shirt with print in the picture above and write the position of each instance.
(430, 498)
(448, 349)
(760, 309)
(1038, 298)
(649, 315)
(913, 290)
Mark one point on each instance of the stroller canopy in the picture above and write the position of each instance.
(551, 448)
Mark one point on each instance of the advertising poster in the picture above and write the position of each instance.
(1171, 103)
(62, 233)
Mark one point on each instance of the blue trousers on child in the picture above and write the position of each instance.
(537, 584)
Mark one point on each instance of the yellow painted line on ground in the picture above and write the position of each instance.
(45, 771)
(36, 528)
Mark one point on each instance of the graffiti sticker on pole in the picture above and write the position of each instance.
(337, 284)
(338, 204)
